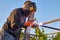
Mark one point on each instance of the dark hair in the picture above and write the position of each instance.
(29, 4)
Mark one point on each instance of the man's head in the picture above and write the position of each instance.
(30, 6)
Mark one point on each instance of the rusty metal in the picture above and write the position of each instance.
(51, 21)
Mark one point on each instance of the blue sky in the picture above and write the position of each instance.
(46, 10)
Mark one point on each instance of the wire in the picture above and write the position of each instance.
(51, 28)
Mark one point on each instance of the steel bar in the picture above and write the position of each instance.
(51, 21)
(51, 28)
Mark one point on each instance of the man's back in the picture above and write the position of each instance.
(13, 24)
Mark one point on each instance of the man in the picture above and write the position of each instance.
(16, 20)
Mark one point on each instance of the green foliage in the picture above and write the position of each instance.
(41, 34)
(37, 36)
(21, 35)
(57, 37)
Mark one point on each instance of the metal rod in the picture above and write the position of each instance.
(51, 21)
(51, 28)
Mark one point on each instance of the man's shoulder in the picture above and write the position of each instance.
(18, 9)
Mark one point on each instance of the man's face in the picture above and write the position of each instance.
(31, 9)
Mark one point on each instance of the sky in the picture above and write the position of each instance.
(46, 10)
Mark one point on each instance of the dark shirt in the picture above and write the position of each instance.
(15, 21)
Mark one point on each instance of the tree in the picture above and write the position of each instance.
(41, 34)
(57, 37)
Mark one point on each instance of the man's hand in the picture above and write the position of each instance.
(41, 24)
(34, 25)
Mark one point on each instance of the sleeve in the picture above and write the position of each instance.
(15, 20)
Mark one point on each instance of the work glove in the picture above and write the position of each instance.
(30, 23)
